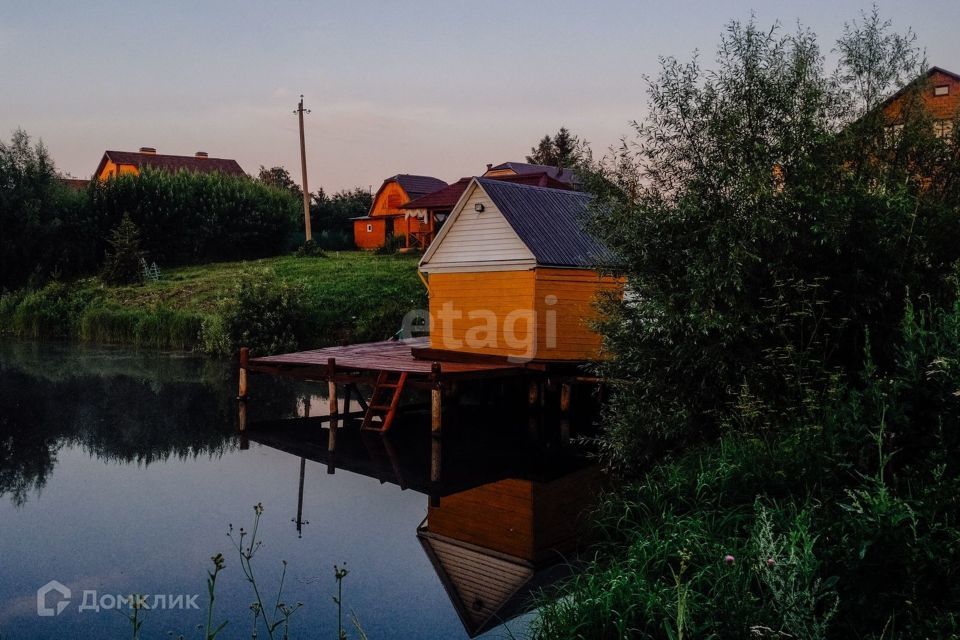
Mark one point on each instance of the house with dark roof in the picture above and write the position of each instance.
(940, 93)
(513, 274)
(560, 174)
(117, 163)
(387, 218)
(432, 210)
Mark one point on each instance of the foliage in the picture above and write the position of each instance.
(280, 178)
(189, 217)
(843, 522)
(125, 259)
(562, 150)
(310, 249)
(785, 366)
(331, 216)
(763, 236)
(350, 297)
(263, 312)
(391, 246)
(47, 232)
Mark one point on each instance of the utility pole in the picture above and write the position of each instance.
(303, 169)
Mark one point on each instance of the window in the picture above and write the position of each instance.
(942, 90)
(369, 228)
(943, 129)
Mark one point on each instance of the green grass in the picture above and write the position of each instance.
(350, 297)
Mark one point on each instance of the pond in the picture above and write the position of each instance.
(121, 472)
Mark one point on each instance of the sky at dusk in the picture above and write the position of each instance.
(435, 88)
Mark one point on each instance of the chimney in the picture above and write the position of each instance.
(202, 154)
(147, 150)
(489, 166)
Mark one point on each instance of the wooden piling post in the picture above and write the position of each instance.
(244, 363)
(334, 405)
(565, 395)
(533, 393)
(436, 401)
(242, 415)
(566, 391)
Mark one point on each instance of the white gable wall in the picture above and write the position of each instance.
(472, 241)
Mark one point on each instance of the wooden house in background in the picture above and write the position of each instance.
(430, 211)
(940, 93)
(512, 275)
(117, 163)
(559, 174)
(387, 218)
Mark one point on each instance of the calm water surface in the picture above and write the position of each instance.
(120, 472)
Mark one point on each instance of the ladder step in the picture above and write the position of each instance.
(380, 407)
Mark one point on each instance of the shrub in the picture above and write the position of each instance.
(391, 246)
(52, 311)
(310, 249)
(263, 312)
(185, 218)
(124, 260)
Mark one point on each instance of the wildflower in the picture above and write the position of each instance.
(729, 559)
(771, 562)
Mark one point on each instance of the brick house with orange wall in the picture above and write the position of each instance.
(116, 163)
(941, 97)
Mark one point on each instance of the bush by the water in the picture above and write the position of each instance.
(265, 313)
(784, 416)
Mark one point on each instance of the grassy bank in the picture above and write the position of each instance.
(344, 297)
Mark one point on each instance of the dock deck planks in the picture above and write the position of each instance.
(394, 356)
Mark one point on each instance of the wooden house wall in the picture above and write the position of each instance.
(476, 293)
(576, 292)
(370, 239)
(940, 107)
(479, 241)
(389, 200)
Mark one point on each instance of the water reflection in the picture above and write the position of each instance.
(119, 470)
(504, 505)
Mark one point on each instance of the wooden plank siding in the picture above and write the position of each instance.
(477, 294)
(525, 519)
(472, 294)
(480, 241)
(576, 292)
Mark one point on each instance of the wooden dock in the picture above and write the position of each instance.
(356, 361)
(390, 367)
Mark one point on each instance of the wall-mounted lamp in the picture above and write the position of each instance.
(478, 207)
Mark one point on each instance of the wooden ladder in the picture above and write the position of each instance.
(387, 386)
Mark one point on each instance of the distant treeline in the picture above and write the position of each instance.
(51, 231)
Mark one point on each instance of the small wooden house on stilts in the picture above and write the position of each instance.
(512, 279)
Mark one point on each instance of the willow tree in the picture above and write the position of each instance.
(769, 229)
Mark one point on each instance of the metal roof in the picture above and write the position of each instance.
(171, 163)
(520, 168)
(417, 186)
(550, 222)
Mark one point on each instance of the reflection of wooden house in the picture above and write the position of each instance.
(430, 211)
(387, 218)
(940, 93)
(494, 545)
(117, 163)
(513, 274)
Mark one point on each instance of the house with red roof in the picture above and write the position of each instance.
(430, 211)
(387, 218)
(117, 163)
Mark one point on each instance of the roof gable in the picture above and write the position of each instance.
(522, 168)
(473, 240)
(547, 222)
(171, 163)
